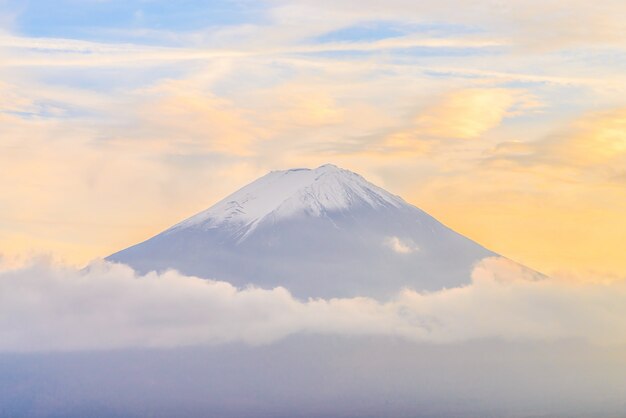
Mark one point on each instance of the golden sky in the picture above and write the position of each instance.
(506, 122)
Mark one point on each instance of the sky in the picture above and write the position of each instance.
(504, 120)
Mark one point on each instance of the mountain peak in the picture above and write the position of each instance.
(329, 167)
(324, 168)
(297, 191)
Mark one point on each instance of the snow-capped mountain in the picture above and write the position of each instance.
(324, 232)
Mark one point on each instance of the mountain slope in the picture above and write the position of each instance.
(325, 232)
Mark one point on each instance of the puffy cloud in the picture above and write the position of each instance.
(104, 306)
(401, 246)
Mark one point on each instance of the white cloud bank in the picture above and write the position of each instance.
(45, 307)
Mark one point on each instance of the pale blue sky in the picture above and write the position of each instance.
(99, 20)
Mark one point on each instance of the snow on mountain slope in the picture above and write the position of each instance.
(281, 194)
(324, 232)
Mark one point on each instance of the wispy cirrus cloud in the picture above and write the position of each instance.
(577, 23)
(70, 52)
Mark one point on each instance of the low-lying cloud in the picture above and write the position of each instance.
(45, 307)
(402, 246)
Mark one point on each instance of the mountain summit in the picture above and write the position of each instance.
(296, 192)
(324, 232)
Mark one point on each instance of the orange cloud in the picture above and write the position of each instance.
(599, 138)
(468, 113)
(184, 113)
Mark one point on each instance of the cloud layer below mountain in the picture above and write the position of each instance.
(45, 307)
